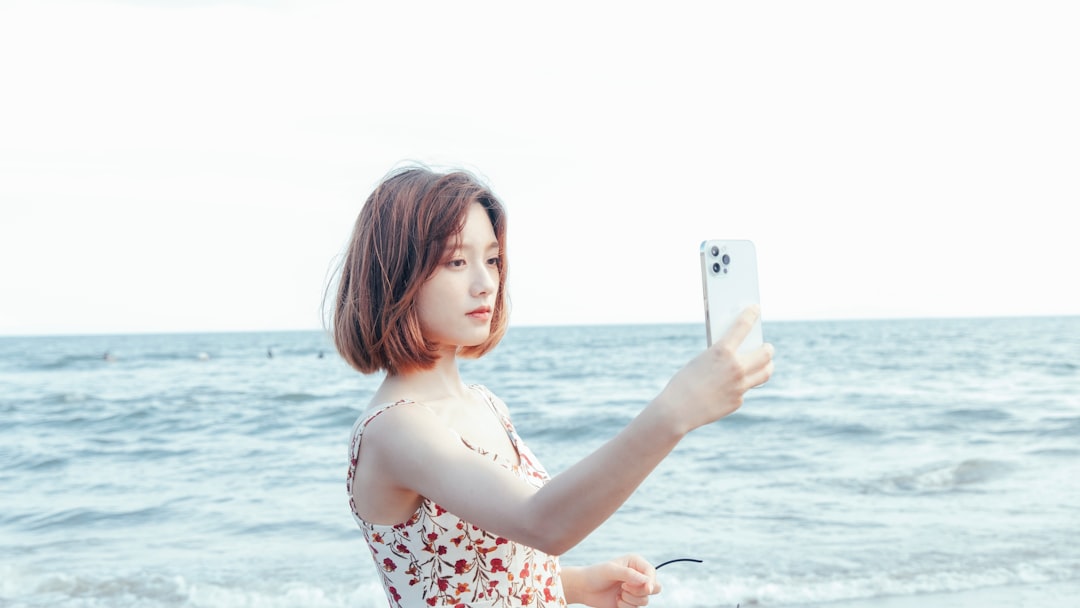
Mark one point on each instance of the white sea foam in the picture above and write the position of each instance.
(777, 590)
(20, 588)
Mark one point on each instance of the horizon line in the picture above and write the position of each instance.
(824, 319)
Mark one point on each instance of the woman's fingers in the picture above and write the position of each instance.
(758, 365)
(740, 328)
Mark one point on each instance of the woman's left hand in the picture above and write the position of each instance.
(620, 583)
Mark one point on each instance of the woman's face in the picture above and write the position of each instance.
(455, 304)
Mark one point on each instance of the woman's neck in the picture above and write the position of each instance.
(440, 382)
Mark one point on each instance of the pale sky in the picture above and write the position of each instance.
(197, 166)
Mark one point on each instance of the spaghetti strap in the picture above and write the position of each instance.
(490, 400)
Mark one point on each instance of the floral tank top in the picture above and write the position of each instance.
(437, 559)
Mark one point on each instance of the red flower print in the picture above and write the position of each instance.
(439, 557)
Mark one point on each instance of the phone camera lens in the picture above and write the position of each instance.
(716, 267)
(726, 259)
(715, 251)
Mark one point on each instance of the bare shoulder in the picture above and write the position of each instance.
(397, 442)
(404, 420)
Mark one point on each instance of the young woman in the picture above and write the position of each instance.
(455, 508)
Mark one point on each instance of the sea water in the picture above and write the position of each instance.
(883, 459)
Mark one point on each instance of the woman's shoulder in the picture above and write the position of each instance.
(403, 420)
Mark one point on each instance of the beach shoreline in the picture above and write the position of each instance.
(1059, 594)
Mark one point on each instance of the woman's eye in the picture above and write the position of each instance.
(494, 261)
(456, 263)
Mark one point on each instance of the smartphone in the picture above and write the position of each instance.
(729, 283)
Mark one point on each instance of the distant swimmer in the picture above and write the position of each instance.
(320, 354)
(108, 357)
(269, 354)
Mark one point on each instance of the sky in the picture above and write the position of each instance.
(175, 166)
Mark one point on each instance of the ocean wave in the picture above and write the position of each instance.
(335, 416)
(22, 588)
(1061, 368)
(698, 587)
(35, 462)
(977, 414)
(554, 428)
(72, 519)
(741, 419)
(299, 397)
(718, 591)
(62, 398)
(1061, 427)
(63, 362)
(1056, 452)
(942, 477)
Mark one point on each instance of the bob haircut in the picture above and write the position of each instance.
(399, 241)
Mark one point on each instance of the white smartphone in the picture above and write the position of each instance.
(729, 283)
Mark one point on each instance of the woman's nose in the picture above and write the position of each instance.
(486, 280)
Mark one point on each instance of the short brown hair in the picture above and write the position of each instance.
(398, 242)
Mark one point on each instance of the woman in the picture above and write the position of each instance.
(455, 508)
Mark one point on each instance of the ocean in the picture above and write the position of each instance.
(884, 461)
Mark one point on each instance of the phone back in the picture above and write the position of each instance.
(729, 280)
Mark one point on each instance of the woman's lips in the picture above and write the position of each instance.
(482, 313)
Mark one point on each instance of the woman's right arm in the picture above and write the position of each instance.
(416, 452)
